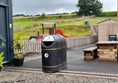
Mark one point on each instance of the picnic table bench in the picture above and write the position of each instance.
(90, 53)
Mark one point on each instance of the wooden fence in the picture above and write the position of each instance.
(33, 25)
(72, 42)
(92, 29)
(30, 46)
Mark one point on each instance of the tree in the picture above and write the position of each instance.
(89, 7)
(43, 15)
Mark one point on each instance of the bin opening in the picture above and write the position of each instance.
(48, 43)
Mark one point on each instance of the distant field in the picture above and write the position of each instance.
(60, 16)
(47, 17)
(66, 21)
(70, 24)
(17, 23)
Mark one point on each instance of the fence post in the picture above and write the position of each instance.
(74, 22)
(19, 27)
(59, 22)
(23, 27)
(32, 25)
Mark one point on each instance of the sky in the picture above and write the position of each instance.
(33, 7)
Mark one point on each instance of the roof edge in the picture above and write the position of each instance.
(106, 20)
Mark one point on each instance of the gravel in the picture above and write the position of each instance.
(52, 78)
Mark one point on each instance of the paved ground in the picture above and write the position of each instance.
(8, 75)
(75, 62)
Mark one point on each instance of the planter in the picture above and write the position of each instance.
(18, 62)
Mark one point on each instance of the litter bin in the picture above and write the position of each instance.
(86, 23)
(53, 53)
(112, 37)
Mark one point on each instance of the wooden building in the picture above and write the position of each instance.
(105, 28)
(6, 30)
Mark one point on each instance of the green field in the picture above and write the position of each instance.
(18, 23)
(70, 24)
(70, 30)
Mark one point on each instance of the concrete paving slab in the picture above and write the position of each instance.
(76, 62)
(4, 75)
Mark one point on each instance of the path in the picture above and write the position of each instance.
(76, 62)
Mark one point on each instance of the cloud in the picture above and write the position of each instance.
(109, 5)
(33, 7)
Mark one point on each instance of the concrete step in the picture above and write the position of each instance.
(64, 72)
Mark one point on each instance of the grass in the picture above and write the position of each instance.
(67, 26)
(70, 30)
(48, 17)
(17, 23)
(67, 22)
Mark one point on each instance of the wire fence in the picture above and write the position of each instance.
(61, 22)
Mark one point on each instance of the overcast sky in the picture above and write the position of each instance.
(33, 7)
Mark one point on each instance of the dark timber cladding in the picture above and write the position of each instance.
(6, 29)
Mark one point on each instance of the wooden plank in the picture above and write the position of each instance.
(48, 27)
(106, 59)
(87, 54)
(110, 57)
(88, 57)
(107, 42)
(107, 47)
(90, 49)
(107, 54)
(107, 50)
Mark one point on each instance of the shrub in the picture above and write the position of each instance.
(17, 56)
(60, 16)
(1, 59)
(1, 41)
(17, 45)
(1, 54)
(43, 15)
(36, 24)
(108, 14)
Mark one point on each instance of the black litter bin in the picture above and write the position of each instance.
(53, 53)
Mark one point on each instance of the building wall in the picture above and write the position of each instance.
(6, 29)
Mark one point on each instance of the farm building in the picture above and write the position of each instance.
(6, 29)
(105, 28)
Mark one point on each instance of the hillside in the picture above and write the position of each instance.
(70, 30)
(57, 17)
(70, 24)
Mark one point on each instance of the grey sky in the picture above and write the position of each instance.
(33, 7)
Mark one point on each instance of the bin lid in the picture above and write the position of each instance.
(48, 38)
